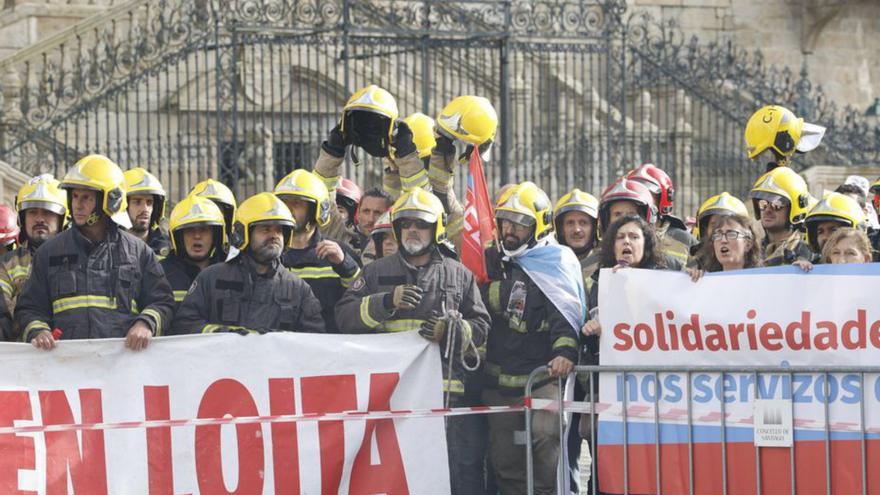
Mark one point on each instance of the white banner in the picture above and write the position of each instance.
(768, 317)
(184, 378)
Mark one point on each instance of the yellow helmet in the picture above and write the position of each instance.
(422, 128)
(471, 119)
(575, 200)
(221, 195)
(372, 99)
(421, 205)
(196, 211)
(43, 192)
(777, 128)
(834, 207)
(262, 208)
(139, 181)
(526, 204)
(720, 204)
(99, 173)
(785, 183)
(305, 185)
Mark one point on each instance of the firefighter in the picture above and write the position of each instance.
(710, 213)
(773, 134)
(9, 229)
(348, 197)
(530, 328)
(327, 266)
(252, 292)
(781, 202)
(422, 128)
(94, 280)
(198, 240)
(146, 209)
(464, 123)
(384, 243)
(835, 211)
(42, 213)
(576, 222)
(420, 289)
(675, 240)
(221, 195)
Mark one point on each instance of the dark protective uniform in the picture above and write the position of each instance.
(15, 266)
(787, 251)
(327, 281)
(159, 242)
(675, 240)
(447, 284)
(232, 296)
(94, 290)
(528, 331)
(181, 274)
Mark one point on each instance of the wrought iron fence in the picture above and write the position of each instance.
(245, 90)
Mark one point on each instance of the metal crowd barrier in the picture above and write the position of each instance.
(563, 407)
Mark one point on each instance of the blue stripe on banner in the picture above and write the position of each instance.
(847, 269)
(611, 433)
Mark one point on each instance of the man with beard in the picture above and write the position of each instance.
(252, 292)
(146, 208)
(94, 280)
(537, 303)
(781, 202)
(327, 266)
(42, 211)
(198, 239)
(420, 289)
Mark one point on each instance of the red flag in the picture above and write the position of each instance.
(479, 222)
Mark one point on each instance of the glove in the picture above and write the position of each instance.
(444, 145)
(239, 330)
(336, 142)
(402, 139)
(406, 297)
(433, 329)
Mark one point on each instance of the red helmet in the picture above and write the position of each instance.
(348, 196)
(658, 182)
(627, 190)
(8, 227)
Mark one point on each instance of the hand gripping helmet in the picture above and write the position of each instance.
(222, 197)
(575, 200)
(98, 173)
(8, 229)
(41, 192)
(471, 119)
(627, 190)
(420, 205)
(776, 128)
(422, 128)
(305, 185)
(260, 209)
(720, 204)
(658, 182)
(139, 181)
(526, 204)
(783, 182)
(834, 207)
(368, 119)
(196, 211)
(348, 196)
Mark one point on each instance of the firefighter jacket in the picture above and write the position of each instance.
(527, 329)
(233, 296)
(159, 242)
(787, 251)
(6, 322)
(181, 273)
(94, 290)
(327, 281)
(447, 285)
(15, 266)
(675, 240)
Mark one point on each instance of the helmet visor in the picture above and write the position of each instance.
(515, 217)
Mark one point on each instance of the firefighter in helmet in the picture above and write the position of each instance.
(146, 209)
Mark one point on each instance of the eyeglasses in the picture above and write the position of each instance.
(776, 204)
(406, 223)
(730, 235)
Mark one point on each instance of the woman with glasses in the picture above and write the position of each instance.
(733, 245)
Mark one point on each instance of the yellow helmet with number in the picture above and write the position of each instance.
(100, 174)
(222, 197)
(260, 209)
(196, 211)
(140, 182)
(838, 208)
(41, 192)
(420, 205)
(422, 128)
(526, 204)
(471, 119)
(776, 128)
(783, 182)
(720, 204)
(305, 185)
